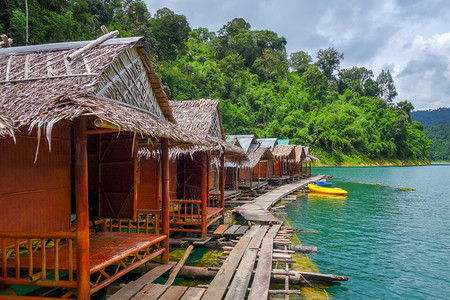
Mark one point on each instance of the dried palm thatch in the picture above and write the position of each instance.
(113, 81)
(6, 127)
(284, 151)
(309, 157)
(257, 155)
(299, 154)
(202, 117)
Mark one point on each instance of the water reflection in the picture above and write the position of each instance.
(333, 199)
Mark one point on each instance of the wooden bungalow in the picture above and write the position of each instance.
(268, 167)
(198, 188)
(246, 177)
(285, 155)
(259, 159)
(232, 169)
(82, 109)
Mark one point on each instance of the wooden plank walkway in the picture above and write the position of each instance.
(238, 287)
(261, 282)
(219, 284)
(134, 287)
(258, 210)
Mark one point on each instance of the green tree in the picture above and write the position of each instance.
(386, 86)
(328, 61)
(300, 61)
(170, 32)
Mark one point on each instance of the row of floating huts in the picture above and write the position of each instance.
(98, 167)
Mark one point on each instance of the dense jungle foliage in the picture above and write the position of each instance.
(436, 124)
(343, 114)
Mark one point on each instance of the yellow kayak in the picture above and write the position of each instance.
(325, 190)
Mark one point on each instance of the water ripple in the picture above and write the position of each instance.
(391, 243)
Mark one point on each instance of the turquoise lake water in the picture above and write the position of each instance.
(391, 243)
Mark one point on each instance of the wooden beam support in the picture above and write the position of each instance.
(204, 192)
(165, 194)
(82, 209)
(222, 183)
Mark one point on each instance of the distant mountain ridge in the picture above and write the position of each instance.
(437, 128)
(432, 116)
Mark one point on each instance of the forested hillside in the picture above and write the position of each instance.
(432, 116)
(345, 115)
(437, 128)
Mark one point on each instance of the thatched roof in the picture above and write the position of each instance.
(113, 81)
(6, 127)
(309, 157)
(257, 155)
(284, 151)
(201, 117)
(300, 154)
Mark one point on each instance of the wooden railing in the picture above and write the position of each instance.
(214, 200)
(185, 212)
(44, 259)
(148, 221)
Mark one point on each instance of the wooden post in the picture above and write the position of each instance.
(82, 209)
(204, 191)
(236, 177)
(165, 194)
(267, 169)
(222, 183)
(259, 172)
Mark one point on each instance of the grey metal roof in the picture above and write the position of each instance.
(270, 142)
(65, 45)
(245, 140)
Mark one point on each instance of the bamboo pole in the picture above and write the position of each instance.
(82, 209)
(179, 265)
(92, 44)
(165, 194)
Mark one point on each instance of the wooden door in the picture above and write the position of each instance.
(117, 176)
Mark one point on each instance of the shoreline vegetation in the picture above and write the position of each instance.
(342, 160)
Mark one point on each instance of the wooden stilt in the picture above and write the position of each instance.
(82, 209)
(165, 194)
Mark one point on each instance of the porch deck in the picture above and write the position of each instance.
(105, 249)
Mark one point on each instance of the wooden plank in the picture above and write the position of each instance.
(238, 287)
(261, 281)
(173, 293)
(193, 293)
(231, 230)
(128, 291)
(220, 230)
(177, 268)
(156, 272)
(219, 284)
(241, 230)
(150, 292)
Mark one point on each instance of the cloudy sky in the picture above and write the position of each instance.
(411, 38)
